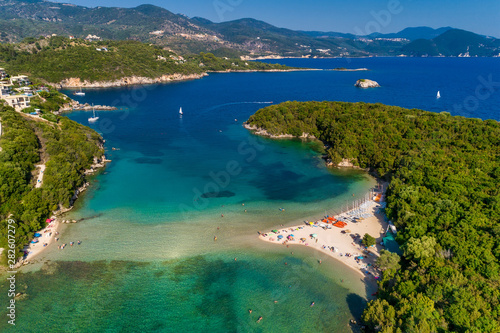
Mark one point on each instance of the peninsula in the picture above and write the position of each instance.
(44, 162)
(443, 173)
(74, 63)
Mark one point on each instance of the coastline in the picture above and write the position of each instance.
(49, 235)
(51, 231)
(260, 131)
(76, 82)
(332, 241)
(337, 242)
(126, 81)
(267, 70)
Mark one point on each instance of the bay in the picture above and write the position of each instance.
(148, 260)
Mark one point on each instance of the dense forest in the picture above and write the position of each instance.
(444, 198)
(67, 149)
(57, 58)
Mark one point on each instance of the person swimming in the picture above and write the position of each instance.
(260, 318)
(312, 304)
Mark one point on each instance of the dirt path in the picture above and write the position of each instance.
(39, 181)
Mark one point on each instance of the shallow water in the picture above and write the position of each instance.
(148, 261)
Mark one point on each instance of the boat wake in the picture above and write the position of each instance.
(236, 103)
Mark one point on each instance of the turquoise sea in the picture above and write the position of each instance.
(148, 261)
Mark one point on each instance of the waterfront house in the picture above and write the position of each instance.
(18, 102)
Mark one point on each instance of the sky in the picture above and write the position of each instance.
(350, 16)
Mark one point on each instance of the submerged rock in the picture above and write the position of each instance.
(221, 194)
(365, 83)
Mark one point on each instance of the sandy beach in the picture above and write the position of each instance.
(49, 235)
(343, 244)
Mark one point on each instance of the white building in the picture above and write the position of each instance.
(20, 79)
(3, 74)
(18, 102)
(25, 90)
(5, 89)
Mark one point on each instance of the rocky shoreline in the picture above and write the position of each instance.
(99, 163)
(56, 215)
(75, 82)
(345, 163)
(263, 132)
(365, 83)
(77, 106)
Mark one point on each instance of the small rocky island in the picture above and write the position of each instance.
(365, 83)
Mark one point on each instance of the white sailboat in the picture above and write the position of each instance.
(93, 118)
(180, 111)
(79, 93)
(438, 95)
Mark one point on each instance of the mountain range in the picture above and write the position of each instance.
(244, 37)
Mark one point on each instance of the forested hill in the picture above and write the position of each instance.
(444, 198)
(65, 147)
(56, 58)
(152, 24)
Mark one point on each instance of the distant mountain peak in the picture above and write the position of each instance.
(246, 36)
(455, 42)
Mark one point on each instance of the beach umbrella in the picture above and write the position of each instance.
(292, 235)
(314, 235)
(48, 220)
(275, 231)
(38, 234)
(280, 237)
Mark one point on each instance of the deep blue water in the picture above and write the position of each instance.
(469, 87)
(148, 261)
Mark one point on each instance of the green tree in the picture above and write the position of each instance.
(418, 248)
(369, 240)
(388, 260)
(380, 313)
(443, 197)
